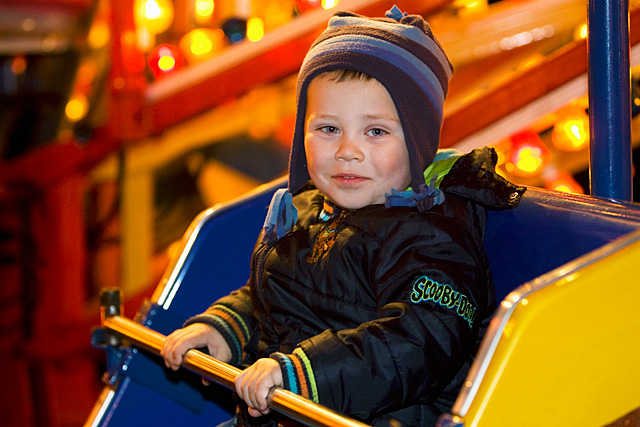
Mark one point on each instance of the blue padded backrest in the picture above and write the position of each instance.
(218, 260)
(545, 231)
(549, 229)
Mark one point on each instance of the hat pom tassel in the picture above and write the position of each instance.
(395, 13)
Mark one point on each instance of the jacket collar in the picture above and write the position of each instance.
(473, 176)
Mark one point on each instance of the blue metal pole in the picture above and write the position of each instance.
(610, 99)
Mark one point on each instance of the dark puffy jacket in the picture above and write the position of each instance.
(382, 321)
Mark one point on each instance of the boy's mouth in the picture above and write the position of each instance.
(349, 179)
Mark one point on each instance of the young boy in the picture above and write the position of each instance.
(370, 288)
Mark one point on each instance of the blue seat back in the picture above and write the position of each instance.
(217, 252)
(549, 229)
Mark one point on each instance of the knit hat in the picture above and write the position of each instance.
(400, 52)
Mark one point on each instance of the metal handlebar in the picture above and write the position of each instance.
(281, 400)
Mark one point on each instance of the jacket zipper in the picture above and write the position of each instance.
(260, 259)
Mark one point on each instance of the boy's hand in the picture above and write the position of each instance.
(194, 336)
(255, 382)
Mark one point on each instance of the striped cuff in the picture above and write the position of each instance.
(297, 374)
(230, 324)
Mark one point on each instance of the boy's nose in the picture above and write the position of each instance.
(348, 150)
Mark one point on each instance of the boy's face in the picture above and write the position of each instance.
(354, 142)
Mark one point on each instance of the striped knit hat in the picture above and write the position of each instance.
(401, 53)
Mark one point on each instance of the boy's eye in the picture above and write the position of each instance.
(330, 129)
(376, 132)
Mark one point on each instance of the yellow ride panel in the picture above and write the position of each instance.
(569, 352)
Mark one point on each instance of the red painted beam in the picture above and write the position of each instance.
(517, 92)
(47, 166)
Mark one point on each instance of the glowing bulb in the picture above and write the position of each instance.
(77, 107)
(571, 131)
(581, 32)
(204, 8)
(471, 6)
(203, 11)
(201, 44)
(529, 159)
(18, 65)
(152, 10)
(528, 154)
(99, 35)
(155, 15)
(255, 29)
(329, 4)
(164, 60)
(166, 63)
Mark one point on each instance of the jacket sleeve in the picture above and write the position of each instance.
(232, 316)
(432, 287)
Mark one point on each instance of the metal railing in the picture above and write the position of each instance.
(281, 400)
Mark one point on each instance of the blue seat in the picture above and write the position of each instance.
(547, 230)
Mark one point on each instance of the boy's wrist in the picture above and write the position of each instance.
(230, 325)
(297, 375)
